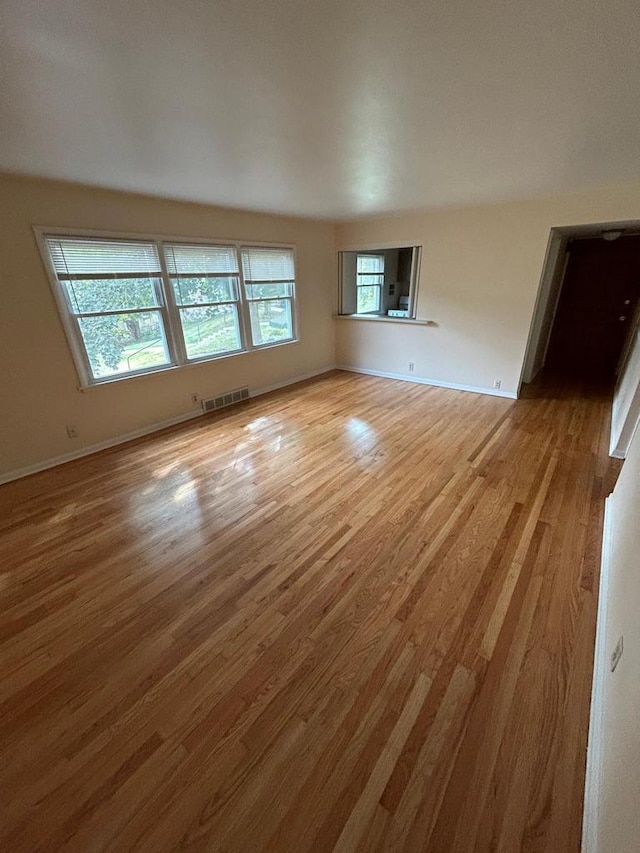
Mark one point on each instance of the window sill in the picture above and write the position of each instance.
(381, 318)
(171, 368)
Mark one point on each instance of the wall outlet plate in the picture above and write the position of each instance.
(72, 431)
(497, 383)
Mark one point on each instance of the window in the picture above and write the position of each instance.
(369, 282)
(376, 283)
(206, 289)
(113, 292)
(269, 285)
(135, 306)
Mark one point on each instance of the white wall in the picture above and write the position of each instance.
(38, 388)
(615, 739)
(545, 310)
(481, 271)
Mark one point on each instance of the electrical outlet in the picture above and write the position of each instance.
(195, 398)
(72, 431)
(616, 654)
(497, 383)
(412, 366)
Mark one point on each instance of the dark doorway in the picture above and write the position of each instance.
(596, 307)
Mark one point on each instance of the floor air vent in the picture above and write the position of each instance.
(212, 404)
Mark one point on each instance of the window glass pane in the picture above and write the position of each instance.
(116, 290)
(86, 256)
(190, 291)
(200, 260)
(264, 264)
(121, 343)
(88, 296)
(370, 279)
(269, 291)
(368, 299)
(271, 321)
(211, 330)
(370, 263)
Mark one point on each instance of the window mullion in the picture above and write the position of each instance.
(244, 315)
(117, 312)
(80, 350)
(207, 304)
(171, 314)
(204, 275)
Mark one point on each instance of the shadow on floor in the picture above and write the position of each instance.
(566, 385)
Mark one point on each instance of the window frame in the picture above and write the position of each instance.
(169, 311)
(376, 248)
(379, 286)
(175, 306)
(253, 283)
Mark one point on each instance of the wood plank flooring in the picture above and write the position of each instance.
(353, 615)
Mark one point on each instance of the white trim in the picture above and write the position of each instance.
(384, 318)
(193, 363)
(94, 448)
(544, 294)
(381, 275)
(414, 279)
(18, 473)
(475, 389)
(145, 235)
(623, 427)
(69, 326)
(300, 378)
(621, 453)
(414, 273)
(593, 775)
(381, 247)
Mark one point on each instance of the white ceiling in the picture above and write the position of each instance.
(331, 108)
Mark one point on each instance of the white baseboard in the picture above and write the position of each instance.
(301, 378)
(18, 473)
(94, 448)
(475, 389)
(596, 716)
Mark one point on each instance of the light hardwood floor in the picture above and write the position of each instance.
(354, 615)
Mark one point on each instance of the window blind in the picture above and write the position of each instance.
(267, 264)
(200, 260)
(85, 258)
